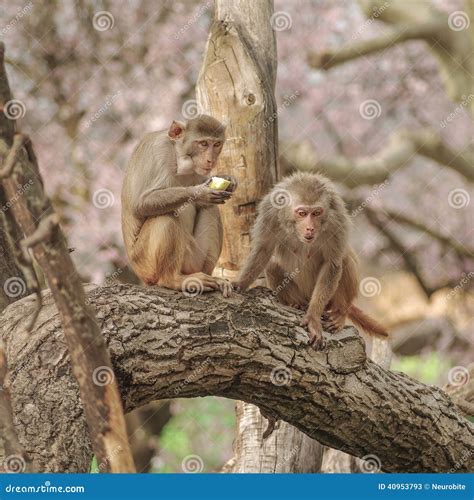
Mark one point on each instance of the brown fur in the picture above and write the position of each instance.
(320, 275)
(171, 227)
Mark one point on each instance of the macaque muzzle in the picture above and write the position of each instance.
(219, 183)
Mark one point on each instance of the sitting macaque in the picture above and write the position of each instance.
(300, 238)
(171, 225)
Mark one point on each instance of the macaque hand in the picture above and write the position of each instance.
(203, 195)
(233, 183)
(315, 330)
(239, 286)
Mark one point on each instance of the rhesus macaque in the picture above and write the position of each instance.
(300, 238)
(170, 222)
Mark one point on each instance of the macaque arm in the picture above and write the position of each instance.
(155, 201)
(263, 245)
(326, 286)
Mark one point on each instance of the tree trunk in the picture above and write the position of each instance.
(165, 345)
(236, 85)
(35, 216)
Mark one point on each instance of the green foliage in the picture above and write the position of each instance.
(94, 466)
(202, 427)
(425, 368)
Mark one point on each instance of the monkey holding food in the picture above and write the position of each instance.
(171, 225)
(301, 232)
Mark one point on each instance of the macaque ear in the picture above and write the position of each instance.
(176, 130)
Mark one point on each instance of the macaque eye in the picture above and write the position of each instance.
(203, 144)
(301, 213)
(217, 144)
(318, 212)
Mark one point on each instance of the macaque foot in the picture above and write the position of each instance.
(315, 329)
(225, 286)
(333, 322)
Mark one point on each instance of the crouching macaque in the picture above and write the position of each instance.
(300, 238)
(170, 220)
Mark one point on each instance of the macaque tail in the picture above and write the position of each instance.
(364, 321)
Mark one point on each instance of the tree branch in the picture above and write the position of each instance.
(403, 146)
(33, 212)
(166, 345)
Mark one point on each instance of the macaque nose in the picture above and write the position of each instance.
(310, 230)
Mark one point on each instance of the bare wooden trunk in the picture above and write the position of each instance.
(236, 84)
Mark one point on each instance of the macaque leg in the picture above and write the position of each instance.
(159, 252)
(335, 313)
(206, 246)
(285, 288)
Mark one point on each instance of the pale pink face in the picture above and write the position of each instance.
(205, 153)
(308, 222)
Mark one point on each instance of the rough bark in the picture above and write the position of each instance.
(450, 39)
(15, 459)
(166, 345)
(35, 216)
(236, 84)
(402, 148)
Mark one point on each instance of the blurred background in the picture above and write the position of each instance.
(95, 76)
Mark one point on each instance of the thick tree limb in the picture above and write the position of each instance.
(403, 146)
(166, 345)
(36, 219)
(449, 38)
(15, 460)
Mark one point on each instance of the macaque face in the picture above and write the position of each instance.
(204, 152)
(308, 221)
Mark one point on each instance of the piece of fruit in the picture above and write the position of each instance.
(219, 183)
